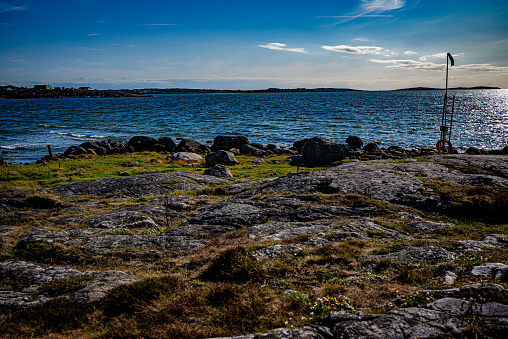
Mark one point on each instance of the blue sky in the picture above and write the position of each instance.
(361, 44)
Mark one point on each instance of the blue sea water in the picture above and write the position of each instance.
(405, 118)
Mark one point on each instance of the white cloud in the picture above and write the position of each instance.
(379, 6)
(483, 68)
(409, 64)
(410, 53)
(354, 49)
(94, 34)
(282, 47)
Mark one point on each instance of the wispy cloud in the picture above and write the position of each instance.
(94, 34)
(354, 49)
(282, 47)
(430, 66)
(438, 56)
(371, 9)
(410, 53)
(6, 7)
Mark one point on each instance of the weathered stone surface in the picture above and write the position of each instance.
(490, 163)
(221, 157)
(395, 189)
(322, 151)
(36, 235)
(400, 323)
(460, 307)
(25, 278)
(137, 185)
(126, 219)
(220, 171)
(198, 231)
(418, 254)
(287, 230)
(107, 243)
(365, 228)
(495, 270)
(186, 156)
(489, 241)
(306, 332)
(174, 202)
(227, 142)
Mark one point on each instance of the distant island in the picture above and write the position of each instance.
(47, 91)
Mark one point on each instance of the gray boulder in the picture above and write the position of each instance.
(322, 151)
(186, 156)
(227, 142)
(221, 157)
(220, 171)
(168, 143)
(495, 270)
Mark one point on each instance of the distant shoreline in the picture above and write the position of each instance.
(11, 92)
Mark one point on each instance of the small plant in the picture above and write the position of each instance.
(323, 306)
(235, 265)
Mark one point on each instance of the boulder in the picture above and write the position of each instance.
(496, 270)
(299, 144)
(251, 150)
(354, 142)
(220, 171)
(142, 143)
(192, 146)
(221, 157)
(227, 142)
(186, 156)
(371, 148)
(505, 150)
(473, 151)
(168, 143)
(322, 151)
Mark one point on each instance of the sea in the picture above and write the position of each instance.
(404, 118)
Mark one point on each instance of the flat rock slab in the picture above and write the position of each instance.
(388, 187)
(425, 170)
(306, 332)
(138, 185)
(25, 279)
(365, 228)
(287, 230)
(417, 254)
(495, 270)
(36, 235)
(497, 164)
(489, 241)
(460, 307)
(119, 220)
(107, 243)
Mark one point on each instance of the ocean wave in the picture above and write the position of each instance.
(12, 147)
(76, 136)
(53, 126)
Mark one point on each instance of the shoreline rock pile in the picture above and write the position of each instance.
(310, 151)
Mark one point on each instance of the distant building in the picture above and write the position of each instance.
(59, 88)
(43, 87)
(85, 88)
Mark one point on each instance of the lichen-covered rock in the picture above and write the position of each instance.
(322, 151)
(25, 278)
(418, 254)
(186, 156)
(137, 185)
(489, 241)
(495, 270)
(220, 158)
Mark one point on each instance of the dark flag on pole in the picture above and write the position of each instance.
(452, 62)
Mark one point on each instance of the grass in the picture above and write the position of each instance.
(88, 167)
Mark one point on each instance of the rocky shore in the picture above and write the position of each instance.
(381, 232)
(311, 151)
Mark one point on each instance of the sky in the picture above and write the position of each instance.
(359, 44)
